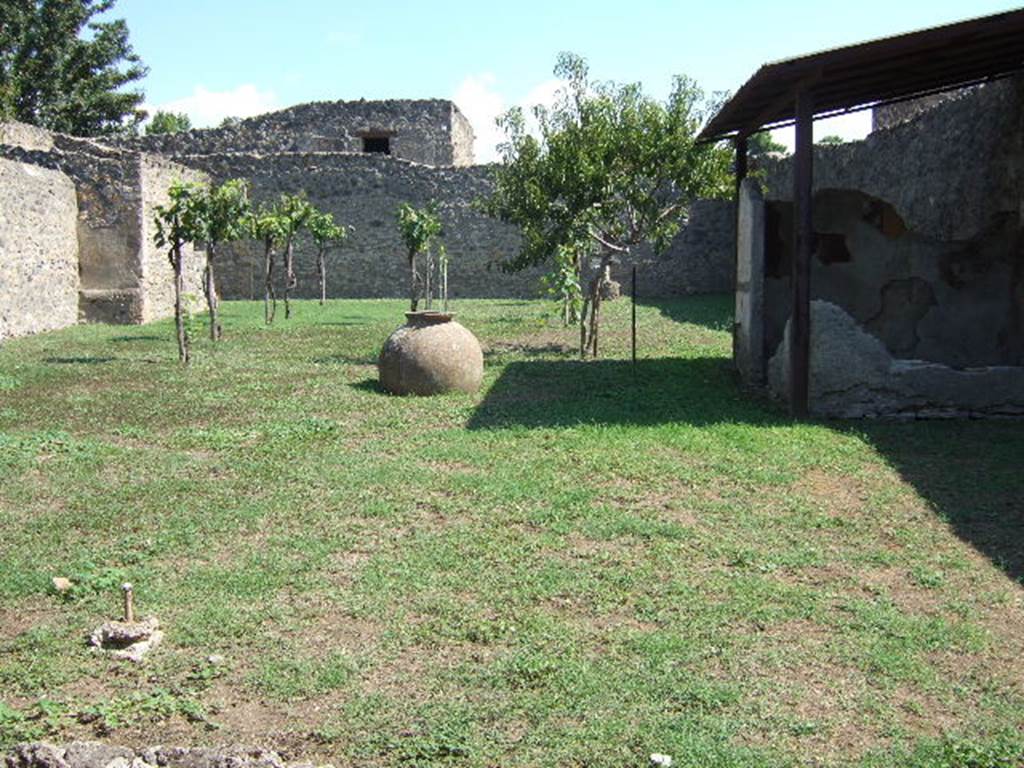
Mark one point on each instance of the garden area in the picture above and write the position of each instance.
(585, 563)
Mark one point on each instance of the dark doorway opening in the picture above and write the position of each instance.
(380, 145)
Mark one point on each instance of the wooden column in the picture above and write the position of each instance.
(741, 162)
(803, 246)
(741, 169)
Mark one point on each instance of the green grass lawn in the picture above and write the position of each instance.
(581, 565)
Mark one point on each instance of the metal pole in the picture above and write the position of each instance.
(633, 301)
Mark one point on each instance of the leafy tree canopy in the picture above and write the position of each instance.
(831, 140)
(611, 167)
(418, 227)
(762, 143)
(63, 70)
(168, 122)
(324, 231)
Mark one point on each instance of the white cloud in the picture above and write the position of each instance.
(851, 127)
(481, 101)
(208, 108)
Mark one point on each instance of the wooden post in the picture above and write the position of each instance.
(741, 163)
(741, 168)
(803, 225)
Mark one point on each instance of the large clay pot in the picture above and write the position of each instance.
(429, 355)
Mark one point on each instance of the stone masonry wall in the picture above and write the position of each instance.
(891, 115)
(364, 191)
(432, 131)
(700, 259)
(121, 277)
(38, 250)
(918, 229)
(462, 139)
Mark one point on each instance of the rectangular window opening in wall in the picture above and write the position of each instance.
(380, 145)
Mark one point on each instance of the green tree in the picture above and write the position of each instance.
(832, 140)
(326, 235)
(278, 226)
(762, 143)
(612, 168)
(168, 122)
(294, 212)
(418, 228)
(267, 226)
(223, 216)
(63, 70)
(178, 223)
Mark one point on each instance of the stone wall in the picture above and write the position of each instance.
(700, 259)
(891, 115)
(122, 279)
(38, 250)
(364, 191)
(125, 279)
(853, 375)
(917, 277)
(432, 131)
(918, 232)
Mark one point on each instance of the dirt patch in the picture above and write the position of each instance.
(32, 613)
(835, 494)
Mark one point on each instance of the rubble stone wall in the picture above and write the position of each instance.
(121, 276)
(918, 232)
(38, 250)
(429, 131)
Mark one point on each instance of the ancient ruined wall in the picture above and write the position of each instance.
(122, 279)
(426, 131)
(700, 259)
(462, 138)
(918, 232)
(38, 250)
(364, 191)
(891, 115)
(27, 137)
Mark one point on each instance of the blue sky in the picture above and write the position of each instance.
(214, 58)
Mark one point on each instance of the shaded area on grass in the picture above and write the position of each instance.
(969, 472)
(83, 360)
(565, 393)
(711, 311)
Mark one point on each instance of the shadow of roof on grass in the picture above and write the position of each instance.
(713, 311)
(562, 393)
(969, 472)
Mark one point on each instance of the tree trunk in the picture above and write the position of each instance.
(289, 280)
(321, 273)
(179, 309)
(210, 288)
(269, 296)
